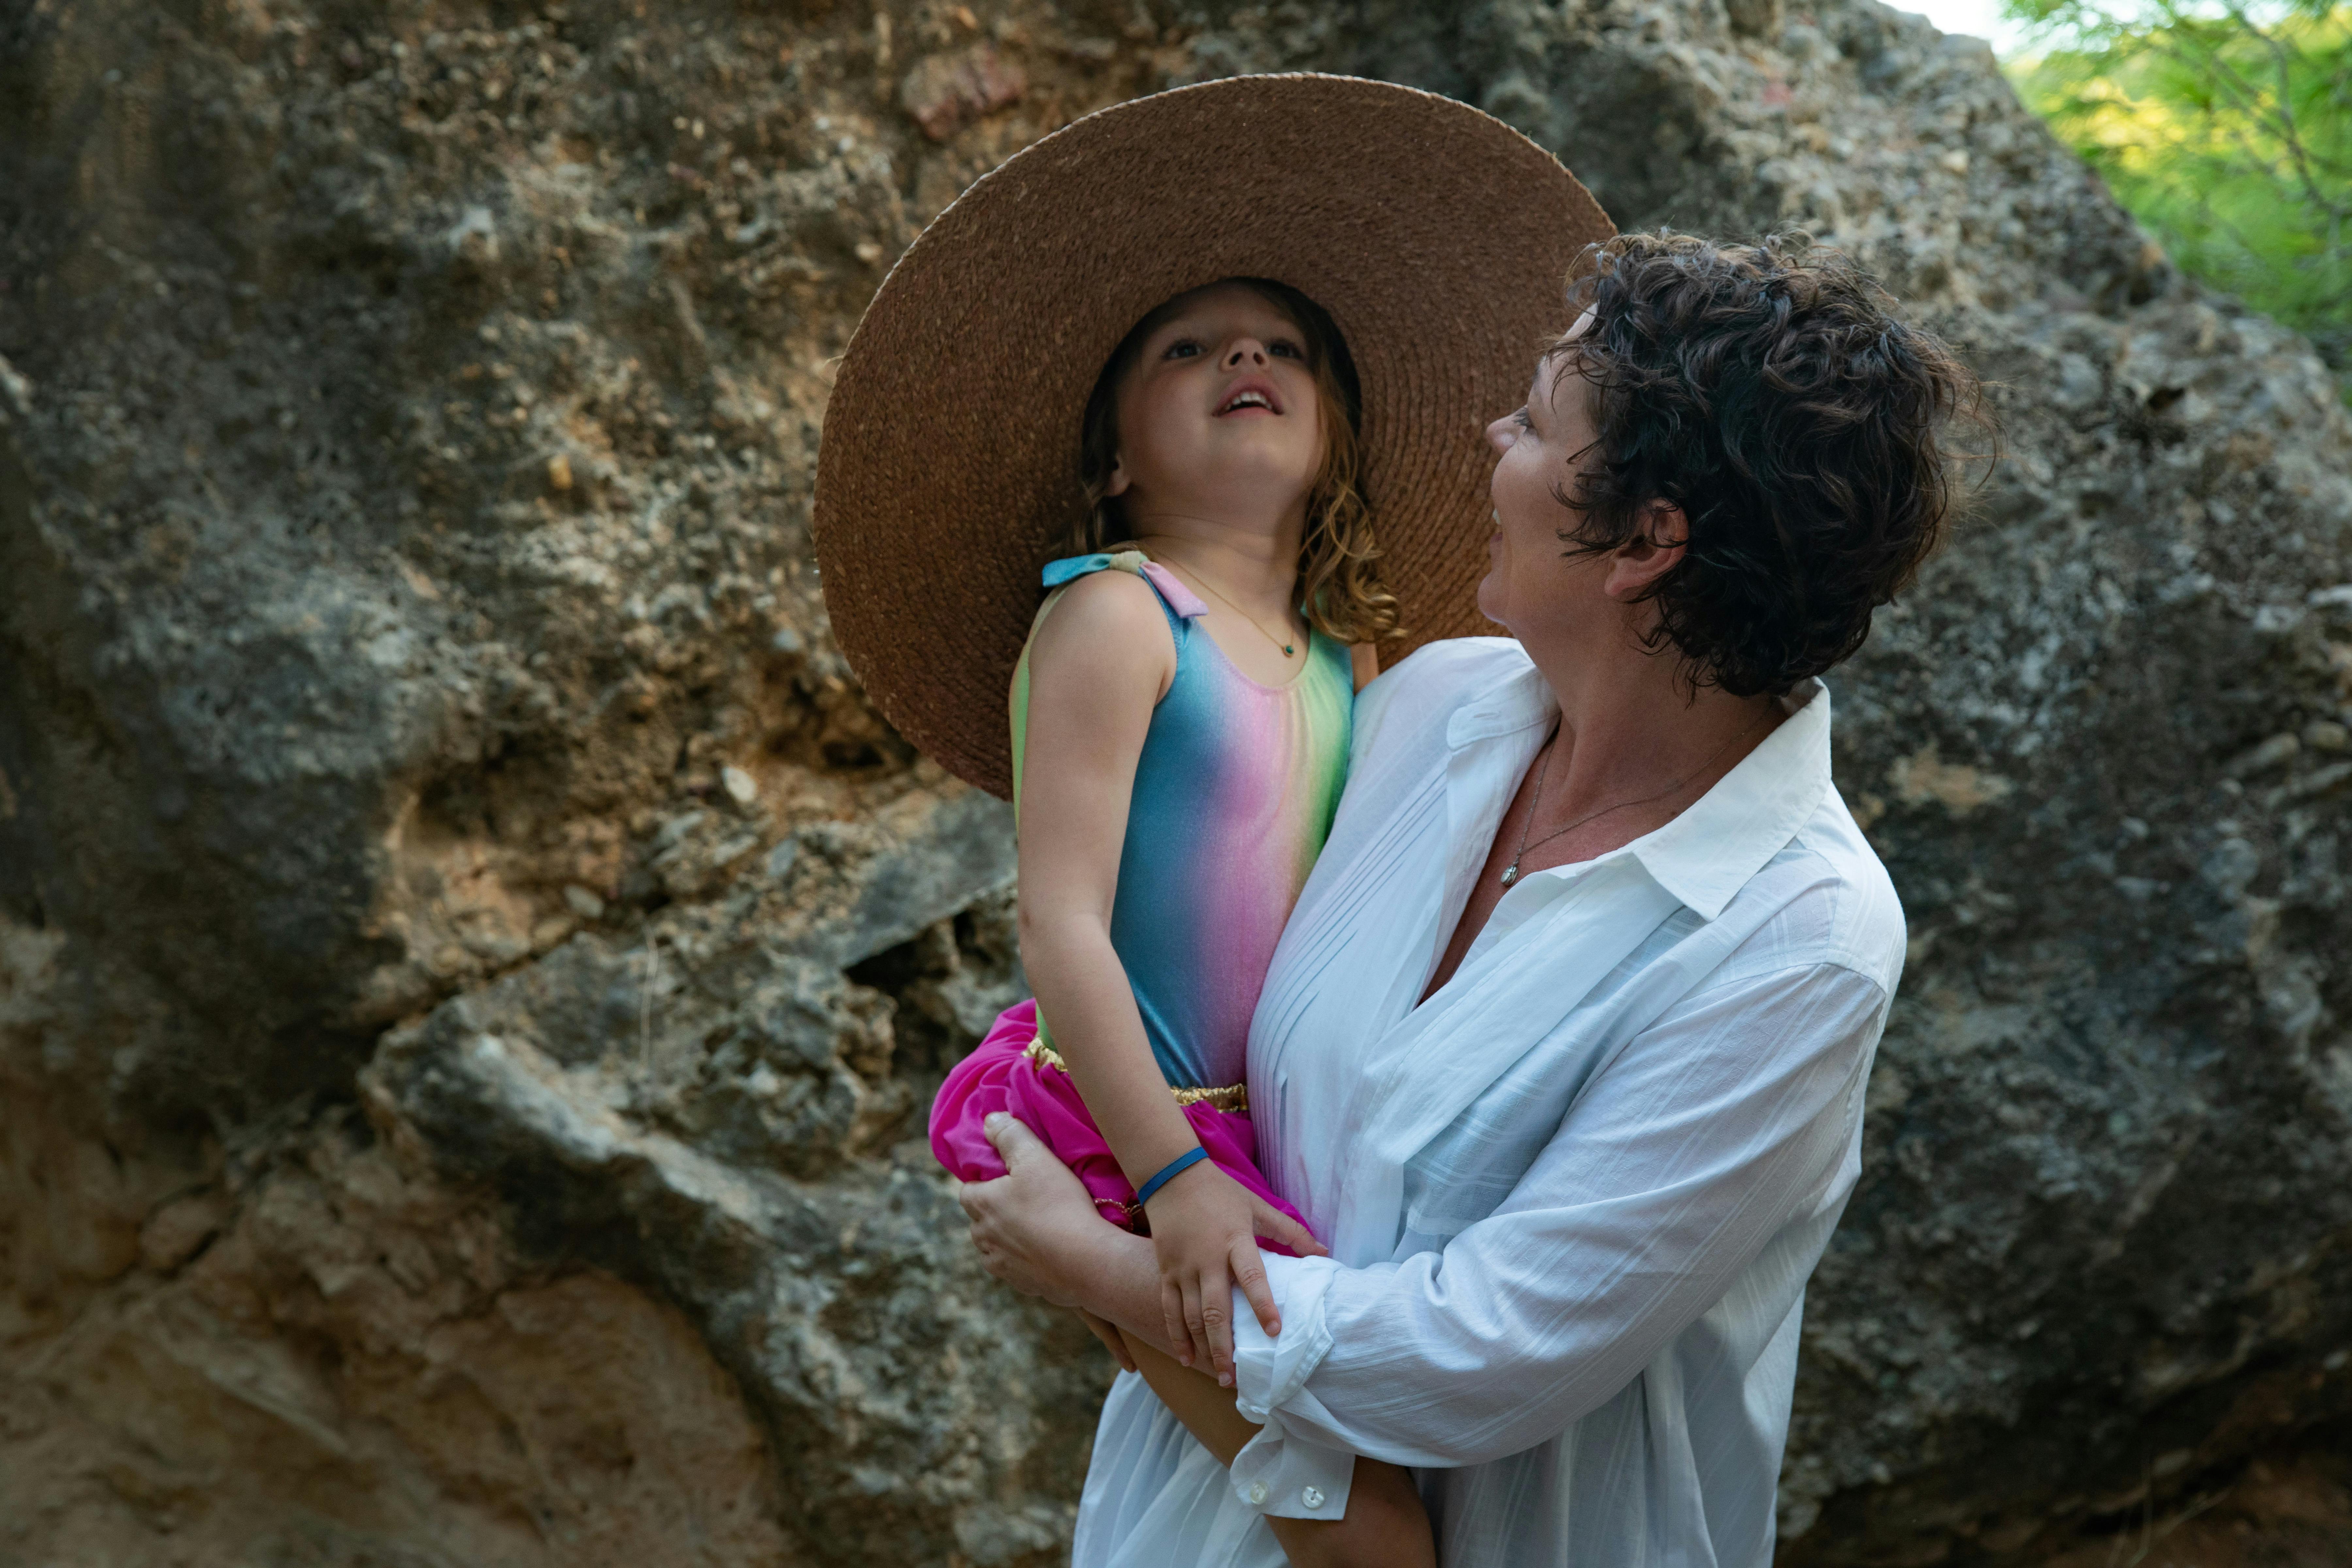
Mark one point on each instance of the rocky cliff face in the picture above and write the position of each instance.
(471, 963)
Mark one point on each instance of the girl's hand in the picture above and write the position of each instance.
(1204, 1230)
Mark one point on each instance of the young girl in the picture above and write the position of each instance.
(1181, 699)
(1180, 727)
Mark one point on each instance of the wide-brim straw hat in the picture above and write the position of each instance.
(1438, 239)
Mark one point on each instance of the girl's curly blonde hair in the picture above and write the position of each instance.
(1339, 588)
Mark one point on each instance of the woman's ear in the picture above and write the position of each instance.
(1117, 484)
(1656, 548)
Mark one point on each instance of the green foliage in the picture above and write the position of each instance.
(2226, 130)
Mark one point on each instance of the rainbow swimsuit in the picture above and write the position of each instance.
(1233, 796)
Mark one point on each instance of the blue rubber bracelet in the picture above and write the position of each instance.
(1169, 1171)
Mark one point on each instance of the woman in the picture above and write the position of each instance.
(1564, 1047)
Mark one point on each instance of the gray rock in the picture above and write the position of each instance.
(446, 871)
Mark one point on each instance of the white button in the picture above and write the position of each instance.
(1312, 1497)
(1256, 1493)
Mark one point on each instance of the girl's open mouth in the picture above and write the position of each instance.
(1246, 396)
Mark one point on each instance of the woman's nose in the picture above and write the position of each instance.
(1248, 351)
(1502, 432)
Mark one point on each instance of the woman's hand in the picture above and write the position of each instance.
(1204, 1231)
(1038, 1231)
(1112, 1340)
(1035, 1228)
(1009, 1214)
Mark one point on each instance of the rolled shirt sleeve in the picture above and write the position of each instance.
(1735, 1113)
(1277, 1473)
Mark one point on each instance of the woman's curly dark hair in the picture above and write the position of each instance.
(1769, 392)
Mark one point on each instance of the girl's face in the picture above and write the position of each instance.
(1219, 417)
(1532, 580)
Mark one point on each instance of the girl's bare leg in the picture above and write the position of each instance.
(1385, 1527)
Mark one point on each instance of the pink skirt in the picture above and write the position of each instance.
(1000, 1075)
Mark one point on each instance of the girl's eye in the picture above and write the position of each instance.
(1521, 419)
(1183, 348)
(1283, 347)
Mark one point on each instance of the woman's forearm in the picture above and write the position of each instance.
(1677, 1172)
(1115, 1275)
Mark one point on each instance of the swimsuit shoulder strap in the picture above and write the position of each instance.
(1177, 602)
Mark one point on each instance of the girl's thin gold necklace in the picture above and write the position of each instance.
(1511, 871)
(1288, 648)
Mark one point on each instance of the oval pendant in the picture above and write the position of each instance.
(1288, 650)
(1510, 873)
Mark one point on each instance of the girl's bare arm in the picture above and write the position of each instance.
(1100, 661)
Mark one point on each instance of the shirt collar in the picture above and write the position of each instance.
(1705, 856)
(1515, 702)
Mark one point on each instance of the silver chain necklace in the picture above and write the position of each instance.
(1511, 871)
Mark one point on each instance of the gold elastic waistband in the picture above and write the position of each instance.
(1233, 1098)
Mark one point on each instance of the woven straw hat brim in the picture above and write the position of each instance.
(1437, 238)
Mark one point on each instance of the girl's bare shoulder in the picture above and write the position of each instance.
(1106, 615)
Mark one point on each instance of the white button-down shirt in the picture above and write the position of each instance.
(1573, 1198)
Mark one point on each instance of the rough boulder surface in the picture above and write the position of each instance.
(472, 963)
